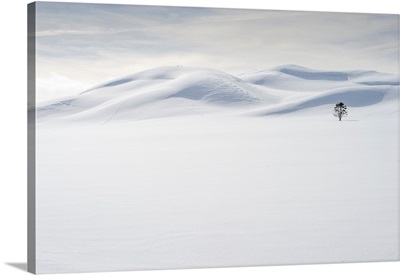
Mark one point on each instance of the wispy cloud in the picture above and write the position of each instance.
(90, 43)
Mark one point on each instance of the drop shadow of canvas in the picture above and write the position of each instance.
(20, 266)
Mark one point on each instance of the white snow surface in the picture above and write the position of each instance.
(181, 167)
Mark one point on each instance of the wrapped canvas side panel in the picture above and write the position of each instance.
(31, 138)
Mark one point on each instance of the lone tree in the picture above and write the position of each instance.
(340, 110)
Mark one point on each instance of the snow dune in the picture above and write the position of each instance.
(297, 72)
(159, 92)
(177, 91)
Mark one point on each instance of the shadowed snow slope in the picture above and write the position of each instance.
(177, 91)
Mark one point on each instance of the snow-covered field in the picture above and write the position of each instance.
(184, 167)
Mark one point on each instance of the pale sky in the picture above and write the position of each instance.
(82, 45)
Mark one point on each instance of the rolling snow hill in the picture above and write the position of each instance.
(181, 91)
